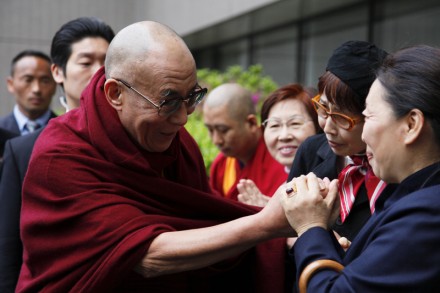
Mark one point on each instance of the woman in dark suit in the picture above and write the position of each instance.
(397, 249)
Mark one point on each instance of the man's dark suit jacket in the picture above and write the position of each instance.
(315, 155)
(8, 122)
(4, 136)
(16, 160)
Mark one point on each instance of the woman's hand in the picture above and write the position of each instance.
(344, 242)
(250, 194)
(311, 203)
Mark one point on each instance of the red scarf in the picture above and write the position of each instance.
(350, 181)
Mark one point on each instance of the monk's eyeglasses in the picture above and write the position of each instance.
(170, 105)
(342, 120)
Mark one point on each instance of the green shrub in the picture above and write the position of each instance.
(252, 79)
(200, 133)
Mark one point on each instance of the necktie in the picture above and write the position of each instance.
(31, 126)
(350, 181)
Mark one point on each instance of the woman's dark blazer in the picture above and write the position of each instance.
(315, 155)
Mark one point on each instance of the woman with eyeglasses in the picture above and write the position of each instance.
(289, 118)
(397, 249)
(340, 151)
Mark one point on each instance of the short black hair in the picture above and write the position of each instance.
(74, 31)
(27, 53)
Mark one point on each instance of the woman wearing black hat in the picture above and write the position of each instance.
(340, 151)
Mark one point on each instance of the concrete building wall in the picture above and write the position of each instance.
(30, 24)
(292, 39)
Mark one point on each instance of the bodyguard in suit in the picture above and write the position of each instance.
(33, 86)
(78, 50)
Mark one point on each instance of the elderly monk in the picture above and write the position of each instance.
(230, 116)
(116, 198)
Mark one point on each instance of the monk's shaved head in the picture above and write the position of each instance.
(236, 97)
(229, 115)
(141, 43)
(149, 59)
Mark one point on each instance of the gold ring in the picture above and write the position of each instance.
(291, 190)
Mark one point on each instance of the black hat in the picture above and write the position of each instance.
(355, 63)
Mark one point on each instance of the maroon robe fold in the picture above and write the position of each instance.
(93, 201)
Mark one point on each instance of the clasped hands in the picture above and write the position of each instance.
(310, 202)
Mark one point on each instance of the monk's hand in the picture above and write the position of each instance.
(272, 218)
(250, 194)
(306, 203)
(290, 242)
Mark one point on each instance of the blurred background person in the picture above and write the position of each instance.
(230, 116)
(33, 87)
(78, 50)
(289, 117)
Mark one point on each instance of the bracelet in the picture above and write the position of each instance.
(314, 267)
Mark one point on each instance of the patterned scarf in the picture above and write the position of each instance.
(350, 181)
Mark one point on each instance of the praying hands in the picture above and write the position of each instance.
(250, 194)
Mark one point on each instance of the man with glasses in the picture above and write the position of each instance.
(340, 152)
(116, 198)
(172, 101)
(230, 116)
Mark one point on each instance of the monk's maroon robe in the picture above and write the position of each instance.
(93, 201)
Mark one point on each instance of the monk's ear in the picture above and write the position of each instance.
(414, 122)
(113, 93)
(252, 120)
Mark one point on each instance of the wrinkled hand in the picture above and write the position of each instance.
(250, 194)
(315, 203)
(272, 218)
